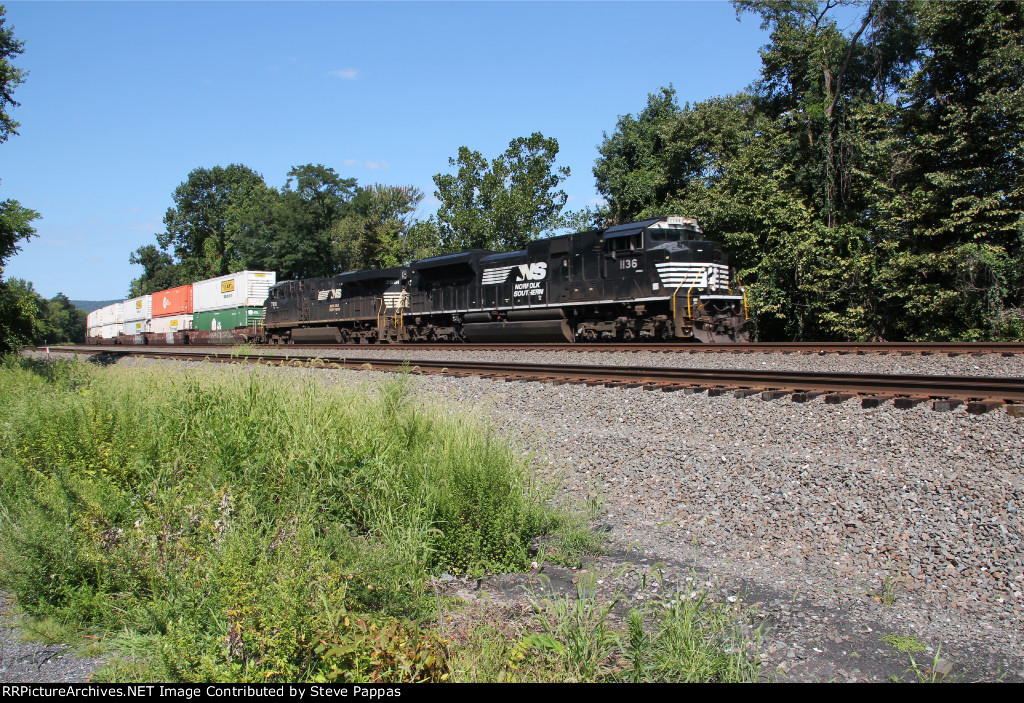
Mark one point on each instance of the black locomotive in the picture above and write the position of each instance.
(659, 279)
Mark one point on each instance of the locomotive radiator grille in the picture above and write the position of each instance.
(496, 275)
(675, 274)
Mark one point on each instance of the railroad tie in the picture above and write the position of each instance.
(873, 401)
(905, 402)
(691, 390)
(747, 392)
(836, 398)
(806, 396)
(980, 407)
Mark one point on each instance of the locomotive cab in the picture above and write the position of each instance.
(669, 281)
(696, 273)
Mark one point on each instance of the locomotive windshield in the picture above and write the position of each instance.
(671, 234)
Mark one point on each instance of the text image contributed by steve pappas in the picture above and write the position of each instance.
(188, 692)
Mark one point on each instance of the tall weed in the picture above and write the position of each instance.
(245, 516)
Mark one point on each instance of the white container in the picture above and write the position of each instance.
(105, 316)
(174, 323)
(137, 327)
(92, 320)
(140, 308)
(111, 331)
(235, 290)
(111, 314)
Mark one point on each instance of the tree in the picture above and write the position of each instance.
(22, 315)
(65, 322)
(159, 272)
(15, 227)
(16, 312)
(10, 76)
(220, 220)
(379, 231)
(503, 203)
(631, 169)
(14, 219)
(314, 199)
(955, 236)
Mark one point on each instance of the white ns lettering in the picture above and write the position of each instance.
(533, 272)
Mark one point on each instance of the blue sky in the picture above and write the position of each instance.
(124, 99)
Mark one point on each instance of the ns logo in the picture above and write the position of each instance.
(531, 272)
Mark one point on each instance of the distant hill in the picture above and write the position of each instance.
(90, 305)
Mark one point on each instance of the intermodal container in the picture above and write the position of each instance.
(111, 331)
(137, 327)
(174, 323)
(111, 314)
(226, 319)
(140, 308)
(236, 290)
(173, 301)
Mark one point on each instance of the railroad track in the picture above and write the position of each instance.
(882, 348)
(979, 393)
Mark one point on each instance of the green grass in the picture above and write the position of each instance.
(685, 637)
(907, 644)
(252, 525)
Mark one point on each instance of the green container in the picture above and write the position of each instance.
(226, 319)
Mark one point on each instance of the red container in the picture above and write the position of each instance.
(173, 301)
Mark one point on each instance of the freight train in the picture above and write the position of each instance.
(659, 279)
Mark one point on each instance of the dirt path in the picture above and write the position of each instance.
(37, 662)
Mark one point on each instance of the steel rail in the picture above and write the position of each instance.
(1009, 389)
(951, 348)
(903, 348)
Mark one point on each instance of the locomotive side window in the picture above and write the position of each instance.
(618, 245)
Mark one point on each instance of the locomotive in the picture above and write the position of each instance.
(659, 279)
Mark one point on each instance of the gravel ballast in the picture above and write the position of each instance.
(927, 364)
(842, 525)
(851, 523)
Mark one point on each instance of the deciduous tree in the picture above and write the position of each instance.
(16, 315)
(502, 203)
(220, 216)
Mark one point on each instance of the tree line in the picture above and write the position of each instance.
(869, 184)
(21, 308)
(318, 224)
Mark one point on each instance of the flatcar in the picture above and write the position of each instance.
(659, 279)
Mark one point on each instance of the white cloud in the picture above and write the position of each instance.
(147, 226)
(349, 74)
(372, 165)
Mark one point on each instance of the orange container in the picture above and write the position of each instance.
(173, 301)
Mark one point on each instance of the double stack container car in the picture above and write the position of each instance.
(222, 310)
(659, 279)
(229, 309)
